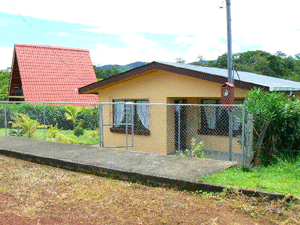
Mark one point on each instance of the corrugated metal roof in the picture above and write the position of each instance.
(274, 84)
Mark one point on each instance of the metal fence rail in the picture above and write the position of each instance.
(216, 131)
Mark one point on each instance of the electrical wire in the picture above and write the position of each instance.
(28, 24)
(236, 72)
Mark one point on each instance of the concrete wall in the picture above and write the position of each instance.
(161, 87)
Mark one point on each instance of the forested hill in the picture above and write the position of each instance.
(278, 65)
(107, 71)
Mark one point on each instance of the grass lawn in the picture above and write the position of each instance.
(90, 137)
(283, 177)
(37, 194)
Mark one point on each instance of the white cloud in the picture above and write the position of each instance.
(165, 17)
(199, 24)
(137, 47)
(209, 46)
(6, 54)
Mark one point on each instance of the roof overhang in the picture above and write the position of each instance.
(92, 88)
(283, 89)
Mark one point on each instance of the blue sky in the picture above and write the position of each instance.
(121, 32)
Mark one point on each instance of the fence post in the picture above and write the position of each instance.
(249, 140)
(178, 127)
(101, 142)
(44, 112)
(243, 137)
(230, 132)
(5, 118)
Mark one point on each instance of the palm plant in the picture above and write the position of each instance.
(24, 124)
(72, 114)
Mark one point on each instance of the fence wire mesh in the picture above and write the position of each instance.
(203, 130)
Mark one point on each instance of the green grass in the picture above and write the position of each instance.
(283, 177)
(90, 137)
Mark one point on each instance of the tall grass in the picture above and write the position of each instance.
(90, 137)
(283, 177)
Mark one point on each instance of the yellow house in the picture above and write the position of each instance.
(173, 83)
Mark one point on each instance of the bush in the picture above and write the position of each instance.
(196, 149)
(62, 138)
(53, 131)
(282, 137)
(55, 114)
(78, 131)
(24, 124)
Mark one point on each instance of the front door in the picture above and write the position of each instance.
(180, 124)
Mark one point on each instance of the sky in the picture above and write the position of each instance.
(122, 32)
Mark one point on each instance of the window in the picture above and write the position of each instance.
(215, 119)
(122, 114)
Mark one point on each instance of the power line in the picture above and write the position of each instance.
(28, 24)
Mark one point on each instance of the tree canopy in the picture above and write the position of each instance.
(4, 83)
(107, 73)
(278, 65)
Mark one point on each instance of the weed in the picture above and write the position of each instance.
(54, 131)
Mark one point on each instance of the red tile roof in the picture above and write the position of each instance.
(51, 74)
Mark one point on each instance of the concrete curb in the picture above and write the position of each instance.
(139, 177)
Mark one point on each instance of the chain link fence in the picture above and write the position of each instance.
(203, 130)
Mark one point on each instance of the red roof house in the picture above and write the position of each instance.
(42, 73)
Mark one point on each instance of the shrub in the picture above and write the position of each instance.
(282, 137)
(62, 138)
(55, 114)
(24, 124)
(196, 149)
(53, 131)
(78, 131)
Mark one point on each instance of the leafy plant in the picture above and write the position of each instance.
(95, 133)
(24, 124)
(62, 138)
(78, 131)
(53, 131)
(4, 83)
(276, 126)
(196, 149)
(72, 113)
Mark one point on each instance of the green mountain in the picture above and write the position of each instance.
(124, 67)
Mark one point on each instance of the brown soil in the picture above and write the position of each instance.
(37, 194)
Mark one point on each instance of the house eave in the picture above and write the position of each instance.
(92, 88)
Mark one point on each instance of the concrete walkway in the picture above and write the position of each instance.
(132, 165)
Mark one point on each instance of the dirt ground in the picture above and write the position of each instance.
(37, 194)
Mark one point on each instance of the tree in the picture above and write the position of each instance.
(4, 84)
(222, 61)
(104, 74)
(72, 113)
(297, 56)
(180, 60)
(261, 66)
(281, 54)
(200, 57)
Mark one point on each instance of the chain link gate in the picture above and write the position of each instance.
(127, 113)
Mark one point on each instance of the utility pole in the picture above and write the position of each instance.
(230, 75)
(229, 42)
